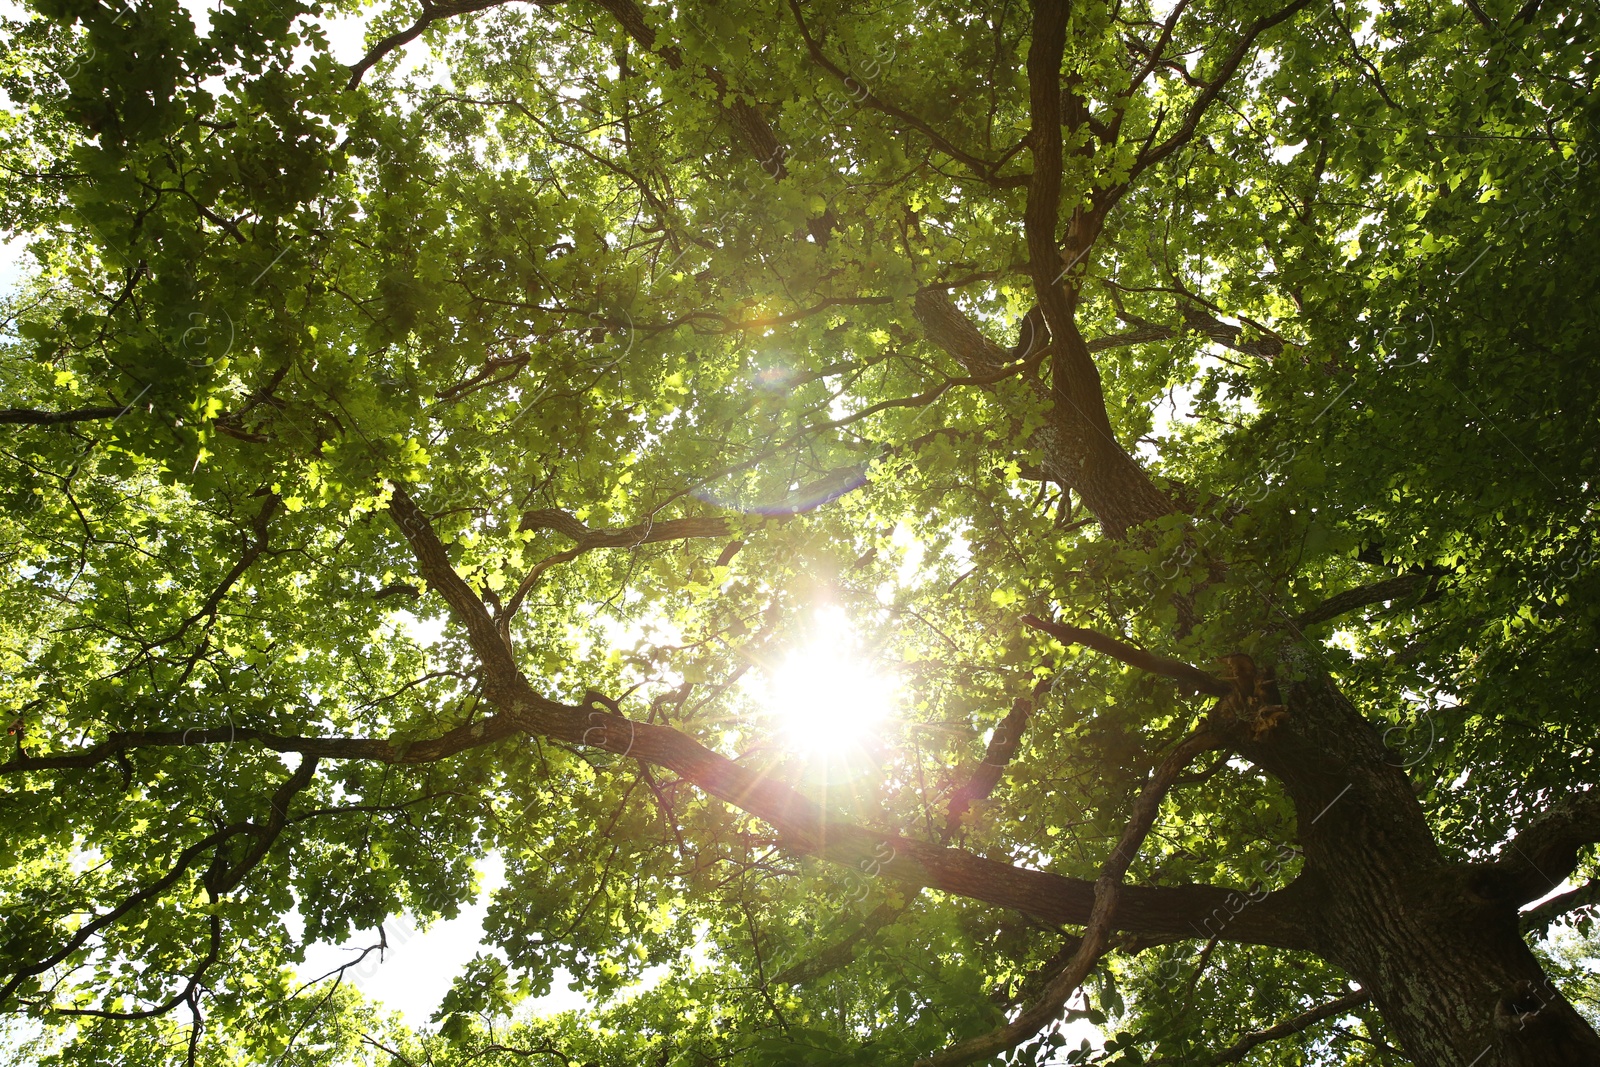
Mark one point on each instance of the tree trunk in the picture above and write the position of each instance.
(1454, 981)
(1437, 944)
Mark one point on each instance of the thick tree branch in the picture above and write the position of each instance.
(804, 827)
(1112, 485)
(1203, 322)
(1163, 912)
(1108, 888)
(1003, 745)
(224, 878)
(434, 561)
(1149, 662)
(1390, 589)
(29, 417)
(186, 859)
(1158, 51)
(1547, 850)
(1041, 215)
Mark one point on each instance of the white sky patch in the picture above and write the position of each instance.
(1285, 152)
(425, 632)
(15, 265)
(346, 34)
(416, 970)
(200, 14)
(347, 37)
(911, 550)
(347, 43)
(1567, 885)
(1077, 1032)
(960, 549)
(1346, 640)
(1176, 409)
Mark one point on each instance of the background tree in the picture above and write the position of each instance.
(1190, 404)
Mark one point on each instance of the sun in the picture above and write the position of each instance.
(829, 696)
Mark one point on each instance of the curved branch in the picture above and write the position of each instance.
(1168, 912)
(1390, 589)
(1003, 745)
(431, 13)
(1158, 51)
(864, 94)
(1149, 662)
(1289, 1027)
(210, 958)
(802, 825)
(186, 859)
(252, 552)
(1213, 89)
(492, 650)
(223, 879)
(640, 533)
(1111, 483)
(1164, 912)
(1108, 888)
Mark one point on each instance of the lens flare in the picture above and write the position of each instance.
(828, 694)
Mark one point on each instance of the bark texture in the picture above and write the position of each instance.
(1436, 944)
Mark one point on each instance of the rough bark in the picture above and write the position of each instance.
(1090, 462)
(1112, 484)
(1436, 944)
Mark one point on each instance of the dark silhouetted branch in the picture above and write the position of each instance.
(1108, 889)
(29, 417)
(1391, 589)
(1149, 662)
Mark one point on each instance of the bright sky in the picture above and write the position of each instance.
(419, 965)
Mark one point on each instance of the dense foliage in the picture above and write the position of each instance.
(352, 414)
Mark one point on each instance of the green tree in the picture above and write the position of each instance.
(1192, 405)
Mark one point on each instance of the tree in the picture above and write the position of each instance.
(1192, 404)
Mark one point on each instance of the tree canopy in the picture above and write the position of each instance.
(909, 524)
